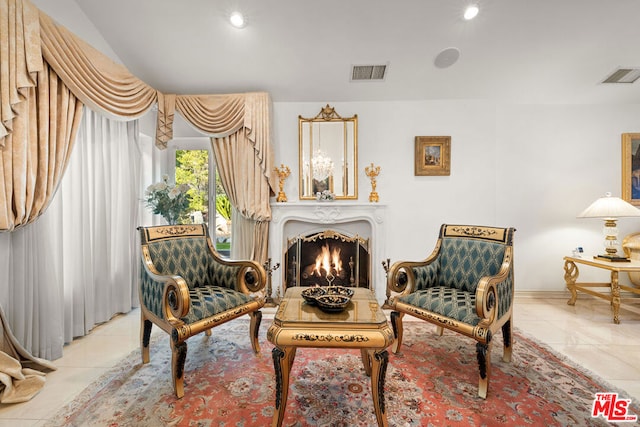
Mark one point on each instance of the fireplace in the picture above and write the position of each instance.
(303, 219)
(327, 258)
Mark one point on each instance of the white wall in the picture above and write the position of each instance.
(531, 167)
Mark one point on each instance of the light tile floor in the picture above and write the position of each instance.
(584, 333)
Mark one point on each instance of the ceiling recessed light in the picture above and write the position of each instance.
(237, 20)
(471, 11)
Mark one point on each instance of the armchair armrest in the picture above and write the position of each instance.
(246, 276)
(402, 278)
(167, 296)
(495, 292)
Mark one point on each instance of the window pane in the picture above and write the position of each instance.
(192, 168)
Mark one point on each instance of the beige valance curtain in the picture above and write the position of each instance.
(219, 116)
(100, 83)
(27, 36)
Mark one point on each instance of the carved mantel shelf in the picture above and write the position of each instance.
(364, 219)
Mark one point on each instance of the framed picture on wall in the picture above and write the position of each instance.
(433, 155)
(631, 168)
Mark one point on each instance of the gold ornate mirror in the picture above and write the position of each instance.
(328, 150)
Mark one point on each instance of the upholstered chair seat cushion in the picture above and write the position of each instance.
(207, 301)
(449, 302)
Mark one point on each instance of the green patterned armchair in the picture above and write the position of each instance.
(186, 288)
(466, 285)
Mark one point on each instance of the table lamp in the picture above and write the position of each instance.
(610, 209)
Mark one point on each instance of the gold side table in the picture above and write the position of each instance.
(571, 274)
(362, 325)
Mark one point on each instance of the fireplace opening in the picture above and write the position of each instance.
(327, 258)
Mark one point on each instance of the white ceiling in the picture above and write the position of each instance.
(522, 51)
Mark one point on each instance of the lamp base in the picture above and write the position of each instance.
(612, 258)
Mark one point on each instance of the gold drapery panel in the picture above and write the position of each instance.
(20, 58)
(100, 83)
(36, 152)
(247, 188)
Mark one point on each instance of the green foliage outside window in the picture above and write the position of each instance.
(192, 167)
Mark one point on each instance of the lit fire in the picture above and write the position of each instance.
(329, 261)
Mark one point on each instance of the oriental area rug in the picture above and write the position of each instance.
(432, 382)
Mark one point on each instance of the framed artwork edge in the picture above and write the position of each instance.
(433, 167)
(628, 170)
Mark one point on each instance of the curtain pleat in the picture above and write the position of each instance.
(98, 214)
(37, 150)
(20, 57)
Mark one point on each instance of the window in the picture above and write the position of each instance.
(194, 165)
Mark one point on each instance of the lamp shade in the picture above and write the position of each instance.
(609, 207)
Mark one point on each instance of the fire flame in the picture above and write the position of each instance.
(329, 261)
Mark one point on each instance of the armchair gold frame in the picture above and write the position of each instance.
(466, 285)
(180, 267)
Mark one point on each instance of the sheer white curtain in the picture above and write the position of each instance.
(77, 265)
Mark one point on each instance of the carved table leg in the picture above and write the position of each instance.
(379, 361)
(366, 361)
(282, 361)
(571, 274)
(615, 297)
(396, 323)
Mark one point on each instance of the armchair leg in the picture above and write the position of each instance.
(396, 324)
(256, 318)
(178, 357)
(145, 337)
(483, 352)
(507, 337)
(208, 332)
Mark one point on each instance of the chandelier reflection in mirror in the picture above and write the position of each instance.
(328, 155)
(322, 165)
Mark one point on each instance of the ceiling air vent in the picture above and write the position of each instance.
(623, 75)
(368, 72)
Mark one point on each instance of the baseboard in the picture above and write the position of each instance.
(543, 294)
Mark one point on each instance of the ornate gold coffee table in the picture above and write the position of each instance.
(362, 325)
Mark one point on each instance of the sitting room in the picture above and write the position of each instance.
(353, 213)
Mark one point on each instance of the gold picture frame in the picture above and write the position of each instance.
(631, 168)
(433, 156)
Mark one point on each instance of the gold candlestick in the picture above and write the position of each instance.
(269, 301)
(283, 173)
(372, 172)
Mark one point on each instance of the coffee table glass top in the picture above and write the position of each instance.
(362, 310)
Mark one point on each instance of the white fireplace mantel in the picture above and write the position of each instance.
(365, 219)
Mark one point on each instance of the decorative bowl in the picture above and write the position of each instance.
(310, 294)
(339, 290)
(333, 303)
